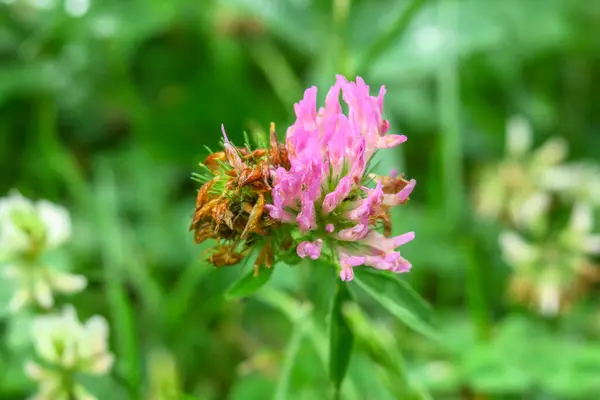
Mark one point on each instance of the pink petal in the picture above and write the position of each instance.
(347, 274)
(306, 219)
(333, 199)
(403, 239)
(306, 109)
(355, 233)
(389, 141)
(310, 249)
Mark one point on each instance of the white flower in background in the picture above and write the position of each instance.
(519, 139)
(35, 284)
(65, 347)
(28, 227)
(516, 251)
(28, 230)
(549, 298)
(578, 181)
(579, 237)
(513, 188)
(556, 271)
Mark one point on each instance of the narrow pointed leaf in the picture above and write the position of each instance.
(341, 338)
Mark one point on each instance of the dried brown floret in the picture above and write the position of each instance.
(230, 205)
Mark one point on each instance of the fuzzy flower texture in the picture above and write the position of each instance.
(325, 191)
(315, 194)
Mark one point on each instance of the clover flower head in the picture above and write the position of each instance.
(26, 226)
(325, 191)
(515, 188)
(28, 230)
(551, 273)
(66, 347)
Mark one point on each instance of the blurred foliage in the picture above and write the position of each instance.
(106, 106)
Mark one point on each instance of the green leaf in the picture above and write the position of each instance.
(341, 338)
(398, 298)
(249, 283)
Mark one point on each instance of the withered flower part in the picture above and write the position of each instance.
(391, 184)
(230, 204)
(310, 196)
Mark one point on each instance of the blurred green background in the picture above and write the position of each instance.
(106, 106)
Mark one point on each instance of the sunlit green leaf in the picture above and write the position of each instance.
(397, 297)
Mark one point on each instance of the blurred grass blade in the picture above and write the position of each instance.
(277, 71)
(341, 338)
(398, 298)
(113, 257)
(390, 36)
(249, 283)
(293, 348)
(58, 158)
(449, 104)
(138, 275)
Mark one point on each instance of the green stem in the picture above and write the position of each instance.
(381, 346)
(475, 292)
(289, 307)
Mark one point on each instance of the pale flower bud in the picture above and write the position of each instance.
(518, 136)
(549, 299)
